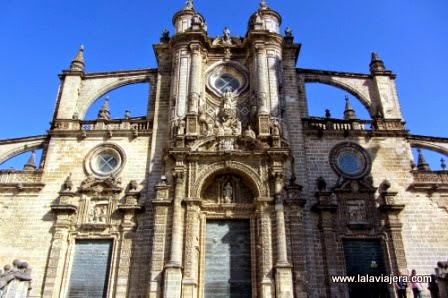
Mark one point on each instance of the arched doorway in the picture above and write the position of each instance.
(228, 224)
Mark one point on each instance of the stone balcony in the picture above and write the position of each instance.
(321, 126)
(335, 124)
(19, 180)
(133, 127)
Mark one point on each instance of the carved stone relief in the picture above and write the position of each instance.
(356, 212)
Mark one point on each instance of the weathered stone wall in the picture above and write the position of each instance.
(27, 220)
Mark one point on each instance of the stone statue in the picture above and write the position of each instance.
(227, 98)
(227, 192)
(226, 36)
(15, 282)
(227, 123)
(250, 133)
(288, 32)
(165, 37)
(181, 128)
(276, 129)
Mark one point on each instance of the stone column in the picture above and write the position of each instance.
(262, 79)
(190, 280)
(327, 206)
(173, 273)
(294, 216)
(129, 209)
(64, 210)
(124, 261)
(263, 89)
(195, 90)
(265, 250)
(56, 262)
(195, 78)
(161, 208)
(389, 211)
(283, 272)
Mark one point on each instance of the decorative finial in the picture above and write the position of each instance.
(263, 4)
(78, 63)
(104, 113)
(422, 165)
(288, 32)
(127, 114)
(349, 112)
(327, 113)
(189, 4)
(376, 64)
(31, 163)
(443, 164)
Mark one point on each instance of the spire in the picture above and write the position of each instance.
(78, 63)
(422, 164)
(376, 64)
(349, 112)
(31, 163)
(104, 113)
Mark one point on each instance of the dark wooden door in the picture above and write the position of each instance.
(227, 259)
(365, 257)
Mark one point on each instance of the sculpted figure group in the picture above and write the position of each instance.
(15, 282)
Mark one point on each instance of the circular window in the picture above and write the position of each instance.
(227, 76)
(226, 81)
(350, 160)
(105, 160)
(106, 163)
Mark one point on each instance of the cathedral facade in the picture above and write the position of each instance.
(227, 187)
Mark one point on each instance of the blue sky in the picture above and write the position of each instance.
(39, 38)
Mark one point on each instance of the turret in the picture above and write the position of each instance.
(267, 43)
(188, 19)
(265, 19)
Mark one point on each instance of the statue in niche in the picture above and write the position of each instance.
(228, 98)
(181, 128)
(227, 192)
